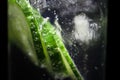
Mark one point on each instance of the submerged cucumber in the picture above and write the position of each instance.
(19, 31)
(50, 50)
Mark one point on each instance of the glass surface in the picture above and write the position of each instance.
(82, 25)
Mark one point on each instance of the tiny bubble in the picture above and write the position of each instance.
(96, 68)
(102, 64)
(30, 54)
(44, 75)
(49, 9)
(54, 13)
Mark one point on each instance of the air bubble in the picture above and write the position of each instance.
(86, 56)
(57, 17)
(53, 32)
(96, 68)
(38, 9)
(36, 39)
(44, 35)
(53, 64)
(59, 62)
(32, 27)
(102, 64)
(72, 31)
(33, 32)
(45, 41)
(44, 75)
(42, 66)
(54, 13)
(40, 27)
(56, 49)
(30, 17)
(101, 3)
(85, 68)
(74, 45)
(103, 46)
(48, 48)
(99, 26)
(49, 9)
(30, 54)
(67, 29)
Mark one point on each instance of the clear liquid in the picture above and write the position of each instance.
(79, 25)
